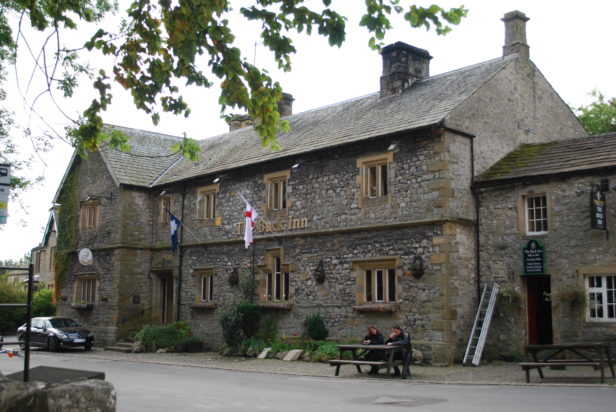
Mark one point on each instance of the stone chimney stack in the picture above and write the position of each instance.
(515, 34)
(285, 105)
(240, 121)
(403, 65)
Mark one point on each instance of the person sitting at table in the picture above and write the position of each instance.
(374, 337)
(399, 337)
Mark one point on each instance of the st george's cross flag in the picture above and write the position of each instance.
(251, 216)
(174, 225)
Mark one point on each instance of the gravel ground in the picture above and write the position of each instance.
(494, 373)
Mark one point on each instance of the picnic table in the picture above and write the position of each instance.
(595, 355)
(357, 349)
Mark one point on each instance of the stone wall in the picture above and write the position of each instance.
(572, 249)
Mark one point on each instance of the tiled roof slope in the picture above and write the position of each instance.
(425, 103)
(565, 156)
(148, 158)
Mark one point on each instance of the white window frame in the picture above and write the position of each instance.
(378, 284)
(600, 308)
(536, 215)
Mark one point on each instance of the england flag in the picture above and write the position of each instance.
(251, 216)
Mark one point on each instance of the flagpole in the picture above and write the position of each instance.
(252, 292)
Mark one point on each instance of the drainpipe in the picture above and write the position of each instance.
(181, 254)
(475, 192)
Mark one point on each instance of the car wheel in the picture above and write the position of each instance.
(22, 346)
(52, 344)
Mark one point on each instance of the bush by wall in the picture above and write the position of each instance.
(42, 303)
(167, 337)
(316, 327)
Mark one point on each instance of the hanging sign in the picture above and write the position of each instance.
(533, 258)
(597, 209)
(5, 180)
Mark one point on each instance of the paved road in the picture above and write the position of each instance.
(153, 387)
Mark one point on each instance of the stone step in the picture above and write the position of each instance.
(120, 347)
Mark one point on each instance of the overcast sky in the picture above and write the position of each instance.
(571, 43)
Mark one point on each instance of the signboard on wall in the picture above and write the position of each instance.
(597, 209)
(5, 180)
(533, 258)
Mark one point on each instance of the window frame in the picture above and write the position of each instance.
(205, 277)
(90, 215)
(275, 280)
(207, 203)
(375, 179)
(544, 220)
(81, 281)
(166, 202)
(604, 292)
(277, 191)
(365, 272)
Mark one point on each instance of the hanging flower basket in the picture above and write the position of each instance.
(234, 278)
(319, 273)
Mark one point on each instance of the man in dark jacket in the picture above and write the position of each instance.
(402, 338)
(374, 337)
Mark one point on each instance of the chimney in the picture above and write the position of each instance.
(515, 34)
(285, 105)
(239, 121)
(403, 65)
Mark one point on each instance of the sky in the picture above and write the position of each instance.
(571, 43)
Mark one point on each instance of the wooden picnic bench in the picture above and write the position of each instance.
(357, 349)
(551, 353)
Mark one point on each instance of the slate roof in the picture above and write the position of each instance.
(561, 157)
(427, 102)
(148, 158)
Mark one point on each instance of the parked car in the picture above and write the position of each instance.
(1, 340)
(54, 333)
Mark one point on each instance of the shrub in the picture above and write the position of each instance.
(254, 343)
(11, 318)
(190, 344)
(270, 328)
(250, 315)
(42, 303)
(316, 327)
(231, 323)
(163, 337)
(325, 351)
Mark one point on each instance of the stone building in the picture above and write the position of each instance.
(556, 196)
(43, 256)
(367, 213)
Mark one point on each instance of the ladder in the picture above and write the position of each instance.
(481, 325)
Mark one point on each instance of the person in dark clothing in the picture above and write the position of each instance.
(402, 338)
(374, 337)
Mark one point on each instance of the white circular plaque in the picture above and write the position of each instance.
(85, 256)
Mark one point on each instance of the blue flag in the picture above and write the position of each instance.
(174, 225)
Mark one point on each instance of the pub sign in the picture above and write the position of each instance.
(597, 209)
(533, 258)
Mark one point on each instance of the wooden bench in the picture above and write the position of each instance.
(339, 362)
(527, 366)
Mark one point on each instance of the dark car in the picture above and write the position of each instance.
(1, 340)
(54, 333)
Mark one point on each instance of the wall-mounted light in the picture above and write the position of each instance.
(296, 165)
(218, 179)
(417, 267)
(392, 147)
(96, 197)
(162, 193)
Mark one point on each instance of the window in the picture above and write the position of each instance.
(165, 209)
(376, 281)
(380, 285)
(601, 298)
(85, 289)
(276, 186)
(274, 285)
(37, 262)
(206, 202)
(204, 285)
(374, 178)
(89, 215)
(536, 215)
(52, 253)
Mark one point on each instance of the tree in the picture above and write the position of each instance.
(600, 115)
(159, 42)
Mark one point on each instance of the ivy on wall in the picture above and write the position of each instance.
(66, 243)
